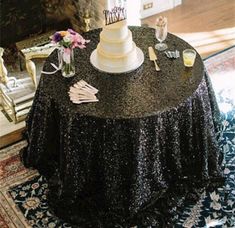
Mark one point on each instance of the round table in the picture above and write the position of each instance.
(131, 158)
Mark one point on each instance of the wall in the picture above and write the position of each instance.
(137, 9)
(157, 6)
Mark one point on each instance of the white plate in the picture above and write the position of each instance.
(117, 70)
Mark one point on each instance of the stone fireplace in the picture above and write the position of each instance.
(34, 17)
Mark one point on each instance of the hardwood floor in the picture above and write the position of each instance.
(208, 25)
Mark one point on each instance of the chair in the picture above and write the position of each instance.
(17, 93)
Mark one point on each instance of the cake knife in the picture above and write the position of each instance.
(153, 57)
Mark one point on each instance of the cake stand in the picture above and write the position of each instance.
(117, 70)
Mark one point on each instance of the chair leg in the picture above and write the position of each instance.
(3, 69)
(31, 68)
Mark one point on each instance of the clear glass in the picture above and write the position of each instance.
(66, 59)
(161, 34)
(189, 56)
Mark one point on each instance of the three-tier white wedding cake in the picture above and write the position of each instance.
(116, 47)
(116, 50)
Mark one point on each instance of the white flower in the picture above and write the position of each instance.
(22, 193)
(225, 123)
(226, 171)
(44, 197)
(45, 220)
(51, 225)
(39, 214)
(214, 196)
(44, 185)
(67, 38)
(230, 203)
(27, 187)
(215, 205)
(213, 222)
(233, 138)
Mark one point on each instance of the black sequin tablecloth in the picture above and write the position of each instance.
(138, 154)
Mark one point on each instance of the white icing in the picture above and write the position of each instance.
(116, 31)
(116, 47)
(117, 61)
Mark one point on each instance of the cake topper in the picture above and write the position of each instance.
(114, 15)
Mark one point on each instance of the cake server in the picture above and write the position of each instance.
(153, 57)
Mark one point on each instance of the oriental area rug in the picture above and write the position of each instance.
(23, 192)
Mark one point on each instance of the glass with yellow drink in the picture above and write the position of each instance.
(189, 56)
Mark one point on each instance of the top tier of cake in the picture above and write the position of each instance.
(116, 31)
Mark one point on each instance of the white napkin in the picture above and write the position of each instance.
(82, 92)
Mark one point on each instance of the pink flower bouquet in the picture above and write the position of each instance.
(69, 39)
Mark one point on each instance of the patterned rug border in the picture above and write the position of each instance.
(11, 149)
(10, 214)
(7, 204)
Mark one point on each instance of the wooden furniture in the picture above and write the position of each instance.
(17, 93)
(35, 47)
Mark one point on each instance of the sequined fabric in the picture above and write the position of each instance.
(135, 156)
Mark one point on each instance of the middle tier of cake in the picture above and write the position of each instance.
(116, 47)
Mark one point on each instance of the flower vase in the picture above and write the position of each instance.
(66, 58)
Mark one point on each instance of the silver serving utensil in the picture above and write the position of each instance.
(153, 57)
(177, 54)
(172, 54)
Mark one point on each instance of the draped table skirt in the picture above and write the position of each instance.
(135, 157)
